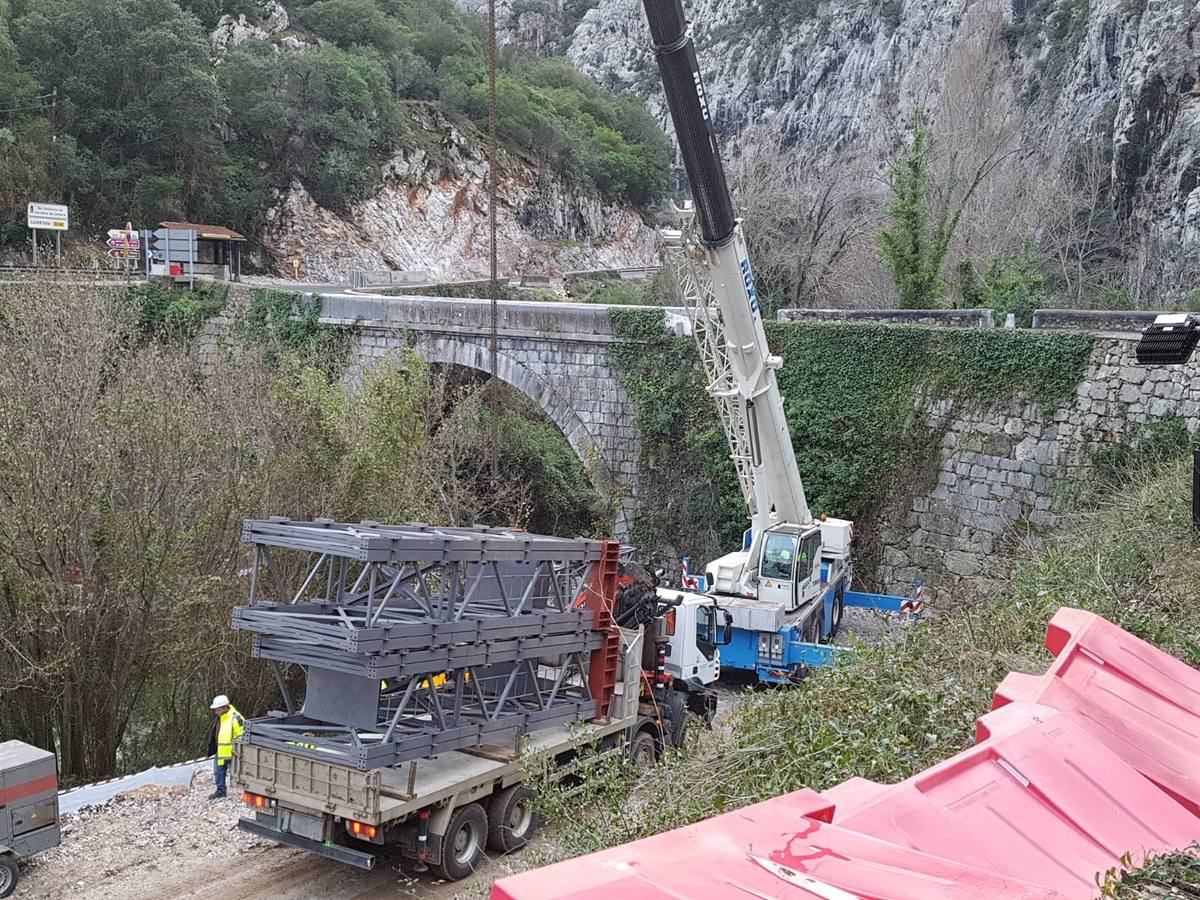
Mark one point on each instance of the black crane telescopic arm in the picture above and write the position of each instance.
(676, 53)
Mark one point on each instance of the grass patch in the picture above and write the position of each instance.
(1165, 875)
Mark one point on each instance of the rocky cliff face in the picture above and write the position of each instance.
(836, 80)
(431, 214)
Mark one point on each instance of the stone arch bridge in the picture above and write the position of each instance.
(557, 354)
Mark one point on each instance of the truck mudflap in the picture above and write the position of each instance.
(332, 851)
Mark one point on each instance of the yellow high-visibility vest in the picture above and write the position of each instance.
(230, 727)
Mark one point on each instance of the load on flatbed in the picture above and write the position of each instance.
(436, 657)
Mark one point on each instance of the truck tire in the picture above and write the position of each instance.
(462, 845)
(688, 730)
(512, 819)
(835, 616)
(9, 875)
(643, 750)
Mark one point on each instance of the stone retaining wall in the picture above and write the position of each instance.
(1006, 473)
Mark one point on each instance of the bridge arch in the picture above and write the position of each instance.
(450, 351)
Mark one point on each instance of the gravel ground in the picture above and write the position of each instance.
(157, 843)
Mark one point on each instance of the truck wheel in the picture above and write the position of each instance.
(462, 847)
(689, 729)
(643, 751)
(835, 618)
(512, 819)
(9, 875)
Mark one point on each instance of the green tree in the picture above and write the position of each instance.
(1012, 283)
(913, 246)
(910, 250)
(209, 12)
(353, 23)
(135, 89)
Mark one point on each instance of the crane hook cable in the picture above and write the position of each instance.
(493, 285)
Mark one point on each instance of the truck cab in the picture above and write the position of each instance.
(789, 570)
(694, 627)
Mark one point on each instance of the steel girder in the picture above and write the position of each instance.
(425, 716)
(419, 639)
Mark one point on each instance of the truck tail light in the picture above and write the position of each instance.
(362, 830)
(258, 801)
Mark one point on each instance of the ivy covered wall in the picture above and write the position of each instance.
(868, 406)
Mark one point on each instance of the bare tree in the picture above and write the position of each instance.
(124, 480)
(1080, 235)
(803, 225)
(979, 179)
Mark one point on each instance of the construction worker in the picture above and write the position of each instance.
(228, 725)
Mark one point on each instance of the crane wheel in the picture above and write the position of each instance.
(512, 819)
(835, 616)
(462, 846)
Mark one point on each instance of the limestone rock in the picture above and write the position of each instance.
(837, 84)
(433, 217)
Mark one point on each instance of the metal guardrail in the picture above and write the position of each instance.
(55, 273)
(391, 278)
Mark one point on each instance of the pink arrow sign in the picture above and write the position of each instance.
(125, 243)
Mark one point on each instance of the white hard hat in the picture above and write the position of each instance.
(219, 701)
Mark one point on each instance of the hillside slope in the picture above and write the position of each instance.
(912, 699)
(336, 134)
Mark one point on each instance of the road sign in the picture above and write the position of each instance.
(116, 253)
(127, 243)
(48, 216)
(174, 245)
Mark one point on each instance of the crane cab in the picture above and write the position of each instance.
(789, 568)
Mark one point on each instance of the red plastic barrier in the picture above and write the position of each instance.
(768, 850)
(1038, 799)
(1045, 800)
(1138, 701)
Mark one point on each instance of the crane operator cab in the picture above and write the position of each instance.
(789, 572)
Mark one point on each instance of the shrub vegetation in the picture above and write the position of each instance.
(117, 105)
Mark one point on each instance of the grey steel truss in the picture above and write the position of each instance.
(455, 710)
(419, 639)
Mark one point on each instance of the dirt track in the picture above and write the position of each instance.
(161, 843)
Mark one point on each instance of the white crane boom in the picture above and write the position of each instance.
(718, 285)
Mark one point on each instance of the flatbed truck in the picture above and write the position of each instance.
(442, 812)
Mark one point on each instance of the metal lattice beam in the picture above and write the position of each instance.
(421, 717)
(696, 292)
(417, 639)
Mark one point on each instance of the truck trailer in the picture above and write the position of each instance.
(28, 807)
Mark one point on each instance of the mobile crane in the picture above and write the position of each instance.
(785, 590)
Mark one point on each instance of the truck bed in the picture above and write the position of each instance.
(381, 796)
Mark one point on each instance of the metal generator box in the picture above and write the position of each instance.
(28, 800)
